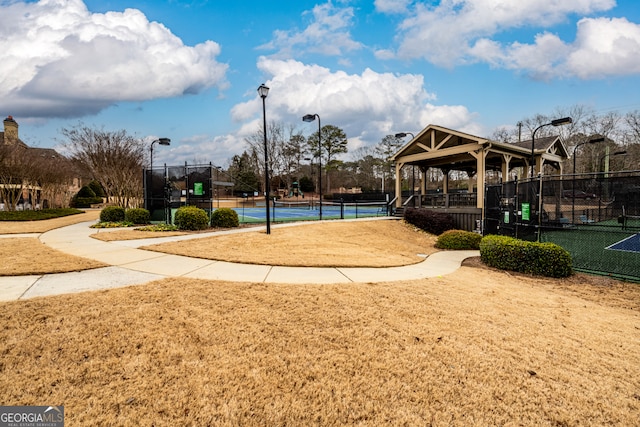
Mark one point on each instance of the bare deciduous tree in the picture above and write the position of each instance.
(113, 158)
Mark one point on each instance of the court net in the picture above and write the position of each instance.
(291, 205)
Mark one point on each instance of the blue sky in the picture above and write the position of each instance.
(189, 70)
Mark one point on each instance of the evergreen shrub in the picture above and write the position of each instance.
(191, 218)
(85, 198)
(540, 259)
(429, 221)
(112, 214)
(459, 240)
(137, 216)
(224, 218)
(97, 189)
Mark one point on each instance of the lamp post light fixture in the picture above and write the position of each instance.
(556, 122)
(263, 91)
(309, 118)
(404, 134)
(159, 141)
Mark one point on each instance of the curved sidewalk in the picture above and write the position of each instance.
(130, 265)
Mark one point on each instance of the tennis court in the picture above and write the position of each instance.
(602, 248)
(310, 211)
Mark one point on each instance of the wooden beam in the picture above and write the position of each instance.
(451, 151)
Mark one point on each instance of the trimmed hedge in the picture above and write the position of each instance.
(540, 259)
(97, 189)
(458, 240)
(429, 221)
(112, 214)
(137, 216)
(225, 218)
(86, 191)
(85, 198)
(37, 215)
(191, 218)
(85, 202)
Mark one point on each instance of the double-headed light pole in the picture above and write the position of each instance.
(263, 91)
(309, 118)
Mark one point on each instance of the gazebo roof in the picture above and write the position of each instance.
(437, 146)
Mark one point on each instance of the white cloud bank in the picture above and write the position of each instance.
(366, 106)
(60, 60)
(465, 31)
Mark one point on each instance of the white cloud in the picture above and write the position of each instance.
(603, 47)
(391, 6)
(454, 32)
(327, 34)
(366, 106)
(60, 60)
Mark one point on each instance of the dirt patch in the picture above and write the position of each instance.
(327, 244)
(470, 348)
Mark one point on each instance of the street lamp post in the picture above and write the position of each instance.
(309, 118)
(573, 185)
(159, 141)
(263, 91)
(556, 122)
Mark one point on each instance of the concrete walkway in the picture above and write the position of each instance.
(130, 265)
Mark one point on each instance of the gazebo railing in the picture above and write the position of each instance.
(450, 200)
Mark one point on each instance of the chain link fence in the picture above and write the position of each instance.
(595, 217)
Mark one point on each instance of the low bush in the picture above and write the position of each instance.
(224, 218)
(158, 228)
(541, 259)
(85, 202)
(191, 218)
(85, 197)
(429, 221)
(137, 216)
(458, 240)
(112, 214)
(118, 224)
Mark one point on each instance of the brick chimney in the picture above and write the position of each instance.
(10, 131)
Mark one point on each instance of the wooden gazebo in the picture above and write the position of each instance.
(451, 150)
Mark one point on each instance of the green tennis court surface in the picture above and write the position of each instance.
(600, 249)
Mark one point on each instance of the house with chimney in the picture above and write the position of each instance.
(32, 177)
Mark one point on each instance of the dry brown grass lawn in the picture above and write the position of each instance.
(475, 348)
(17, 227)
(327, 244)
(107, 235)
(27, 255)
